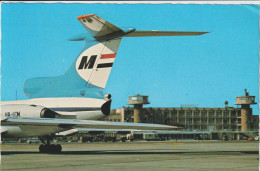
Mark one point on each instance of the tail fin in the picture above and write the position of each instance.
(89, 73)
(95, 63)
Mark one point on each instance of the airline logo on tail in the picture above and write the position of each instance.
(95, 63)
(87, 64)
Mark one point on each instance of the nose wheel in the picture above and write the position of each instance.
(47, 147)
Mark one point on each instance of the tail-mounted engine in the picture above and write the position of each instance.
(105, 108)
(24, 110)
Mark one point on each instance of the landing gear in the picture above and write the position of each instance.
(48, 147)
(52, 148)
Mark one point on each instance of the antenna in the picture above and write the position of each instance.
(16, 95)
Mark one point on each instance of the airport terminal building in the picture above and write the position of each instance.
(203, 119)
(191, 117)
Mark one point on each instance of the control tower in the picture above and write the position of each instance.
(138, 101)
(246, 111)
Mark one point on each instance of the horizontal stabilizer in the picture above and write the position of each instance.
(99, 28)
(102, 30)
(162, 33)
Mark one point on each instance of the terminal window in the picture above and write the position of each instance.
(226, 113)
(211, 121)
(233, 114)
(219, 113)
(174, 113)
(239, 114)
(196, 113)
(188, 114)
(204, 113)
(211, 113)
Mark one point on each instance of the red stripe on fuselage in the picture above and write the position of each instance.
(106, 56)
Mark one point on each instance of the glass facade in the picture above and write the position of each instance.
(220, 119)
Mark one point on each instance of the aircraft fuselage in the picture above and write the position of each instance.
(67, 108)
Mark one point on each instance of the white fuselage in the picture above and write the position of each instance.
(73, 108)
(67, 108)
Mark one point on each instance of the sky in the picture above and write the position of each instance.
(205, 70)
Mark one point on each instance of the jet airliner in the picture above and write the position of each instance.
(75, 99)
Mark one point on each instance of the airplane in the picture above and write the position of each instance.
(75, 99)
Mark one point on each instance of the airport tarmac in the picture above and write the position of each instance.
(192, 155)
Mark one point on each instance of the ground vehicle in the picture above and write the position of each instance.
(150, 136)
(33, 140)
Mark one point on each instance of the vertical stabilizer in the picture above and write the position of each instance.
(95, 63)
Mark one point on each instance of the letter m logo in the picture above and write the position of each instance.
(85, 63)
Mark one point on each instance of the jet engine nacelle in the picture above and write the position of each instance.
(25, 110)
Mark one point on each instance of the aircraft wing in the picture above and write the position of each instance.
(127, 131)
(67, 124)
(162, 33)
(94, 131)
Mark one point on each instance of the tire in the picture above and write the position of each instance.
(52, 148)
(58, 148)
(42, 148)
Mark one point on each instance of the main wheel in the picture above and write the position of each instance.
(59, 148)
(42, 148)
(55, 148)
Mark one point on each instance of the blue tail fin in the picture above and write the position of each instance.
(88, 75)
